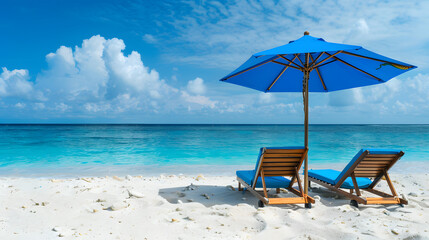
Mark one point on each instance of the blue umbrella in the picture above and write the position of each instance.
(311, 64)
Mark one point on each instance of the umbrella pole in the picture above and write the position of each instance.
(305, 90)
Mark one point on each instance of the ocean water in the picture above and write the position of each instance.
(44, 150)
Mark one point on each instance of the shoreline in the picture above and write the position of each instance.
(157, 170)
(196, 206)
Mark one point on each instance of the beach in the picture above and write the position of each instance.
(198, 207)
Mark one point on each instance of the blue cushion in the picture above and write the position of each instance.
(331, 176)
(326, 175)
(371, 151)
(270, 182)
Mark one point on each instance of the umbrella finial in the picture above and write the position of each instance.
(306, 33)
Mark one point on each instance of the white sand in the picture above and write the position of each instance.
(166, 208)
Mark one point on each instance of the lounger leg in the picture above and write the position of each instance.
(263, 183)
(355, 184)
(390, 184)
(351, 191)
(299, 182)
(292, 181)
(277, 190)
(354, 203)
(239, 187)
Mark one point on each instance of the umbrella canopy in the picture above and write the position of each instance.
(311, 64)
(337, 67)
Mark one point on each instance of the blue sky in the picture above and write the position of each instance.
(160, 61)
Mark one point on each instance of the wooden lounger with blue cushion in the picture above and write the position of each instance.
(272, 166)
(366, 164)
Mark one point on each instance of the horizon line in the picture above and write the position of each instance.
(250, 124)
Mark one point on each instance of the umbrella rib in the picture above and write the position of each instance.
(319, 74)
(321, 65)
(277, 78)
(290, 60)
(330, 56)
(284, 64)
(297, 55)
(348, 64)
(315, 60)
(247, 69)
(375, 59)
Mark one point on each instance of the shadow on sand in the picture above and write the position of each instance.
(211, 195)
(332, 199)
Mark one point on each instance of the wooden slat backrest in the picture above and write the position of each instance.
(374, 165)
(378, 178)
(279, 162)
(282, 162)
(371, 166)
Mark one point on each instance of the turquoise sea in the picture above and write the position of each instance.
(64, 150)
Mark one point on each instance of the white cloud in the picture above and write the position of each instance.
(38, 106)
(94, 107)
(128, 73)
(419, 86)
(78, 75)
(98, 79)
(224, 34)
(399, 98)
(20, 105)
(362, 26)
(149, 38)
(196, 86)
(345, 97)
(99, 70)
(291, 107)
(15, 83)
(61, 107)
(265, 98)
(359, 30)
(235, 108)
(127, 102)
(199, 100)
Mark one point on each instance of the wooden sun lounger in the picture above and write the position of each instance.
(368, 163)
(273, 165)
